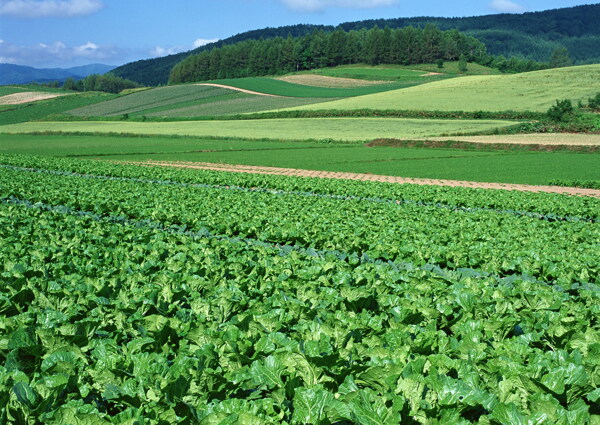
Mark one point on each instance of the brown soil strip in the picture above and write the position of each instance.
(222, 86)
(315, 80)
(579, 146)
(26, 97)
(430, 74)
(372, 177)
(531, 139)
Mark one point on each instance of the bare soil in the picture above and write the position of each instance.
(315, 80)
(532, 139)
(573, 191)
(26, 97)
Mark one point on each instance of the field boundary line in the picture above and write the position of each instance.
(572, 191)
(223, 86)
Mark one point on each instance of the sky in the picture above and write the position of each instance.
(66, 33)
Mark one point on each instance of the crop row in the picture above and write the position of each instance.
(108, 321)
(495, 243)
(536, 203)
(548, 217)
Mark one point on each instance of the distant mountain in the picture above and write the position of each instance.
(531, 35)
(18, 74)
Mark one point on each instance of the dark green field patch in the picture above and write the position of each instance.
(283, 88)
(13, 114)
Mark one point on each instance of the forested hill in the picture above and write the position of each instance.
(529, 35)
(152, 72)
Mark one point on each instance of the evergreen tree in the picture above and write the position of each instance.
(560, 58)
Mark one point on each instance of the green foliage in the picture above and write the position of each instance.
(594, 102)
(587, 184)
(510, 35)
(560, 57)
(326, 49)
(107, 83)
(462, 64)
(184, 296)
(440, 63)
(562, 110)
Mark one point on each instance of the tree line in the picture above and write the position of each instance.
(105, 83)
(320, 49)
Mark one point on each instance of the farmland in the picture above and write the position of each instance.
(188, 101)
(347, 332)
(533, 91)
(138, 293)
(287, 129)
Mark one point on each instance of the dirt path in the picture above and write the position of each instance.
(372, 177)
(222, 86)
(26, 97)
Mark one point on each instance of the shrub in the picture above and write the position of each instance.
(561, 111)
(594, 102)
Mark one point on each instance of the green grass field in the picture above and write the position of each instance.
(370, 73)
(532, 91)
(58, 145)
(283, 88)
(285, 129)
(454, 164)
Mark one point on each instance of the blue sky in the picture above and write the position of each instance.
(64, 33)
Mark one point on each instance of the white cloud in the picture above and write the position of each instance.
(506, 6)
(199, 42)
(319, 5)
(58, 54)
(159, 51)
(49, 8)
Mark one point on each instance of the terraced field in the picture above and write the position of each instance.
(532, 91)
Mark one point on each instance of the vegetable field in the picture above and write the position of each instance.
(138, 295)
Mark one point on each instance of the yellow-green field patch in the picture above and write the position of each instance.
(531, 91)
(351, 129)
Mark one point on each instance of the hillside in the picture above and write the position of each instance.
(18, 74)
(531, 91)
(529, 35)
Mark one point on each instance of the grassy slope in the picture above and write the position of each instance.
(21, 88)
(200, 101)
(12, 114)
(283, 88)
(188, 101)
(534, 91)
(401, 73)
(284, 129)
